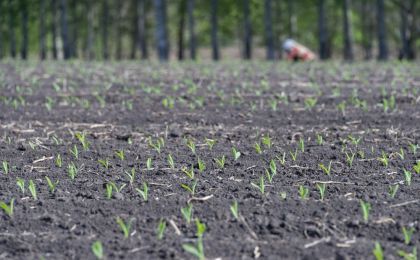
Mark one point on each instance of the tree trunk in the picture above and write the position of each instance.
(181, 25)
(191, 28)
(247, 31)
(54, 23)
(381, 30)
(119, 30)
(268, 29)
(74, 29)
(292, 19)
(322, 31)
(105, 18)
(214, 29)
(90, 30)
(42, 50)
(134, 30)
(408, 30)
(12, 23)
(1, 31)
(24, 45)
(161, 31)
(64, 29)
(348, 42)
(367, 29)
(141, 24)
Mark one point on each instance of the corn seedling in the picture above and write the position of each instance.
(82, 139)
(108, 189)
(32, 189)
(131, 176)
(5, 167)
(125, 227)
(407, 233)
(75, 152)
(408, 175)
(191, 145)
(158, 145)
(393, 190)
(365, 207)
(120, 154)
(294, 155)
(58, 161)
(171, 161)
(257, 148)
(21, 184)
(8, 208)
(220, 162)
(104, 162)
(342, 107)
(302, 145)
(51, 185)
(97, 249)
(149, 165)
(361, 154)
(319, 139)
(266, 141)
(321, 188)
(189, 172)
(384, 159)
(260, 186)
(310, 102)
(303, 192)
(201, 165)
(187, 213)
(116, 188)
(269, 176)
(350, 158)
(190, 188)
(234, 209)
(416, 167)
(326, 170)
(72, 170)
(160, 230)
(210, 143)
(413, 148)
(273, 167)
(196, 250)
(144, 193)
(408, 256)
(378, 252)
(282, 159)
(355, 141)
(235, 153)
(401, 153)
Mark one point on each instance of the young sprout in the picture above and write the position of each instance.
(269, 176)
(120, 154)
(349, 158)
(266, 141)
(191, 145)
(342, 107)
(21, 184)
(196, 250)
(310, 102)
(201, 228)
(190, 188)
(378, 252)
(413, 148)
(104, 163)
(32, 189)
(97, 249)
(8, 208)
(235, 153)
(273, 167)
(257, 148)
(187, 213)
(145, 192)
(72, 170)
(365, 207)
(108, 188)
(294, 155)
(408, 256)
(361, 154)
(325, 169)
(234, 209)
(416, 167)
(201, 165)
(131, 175)
(220, 162)
(160, 230)
(401, 153)
(393, 190)
(260, 186)
(5, 167)
(282, 159)
(302, 145)
(149, 164)
(51, 185)
(125, 227)
(303, 192)
(116, 188)
(319, 139)
(82, 139)
(210, 143)
(407, 175)
(384, 159)
(321, 188)
(58, 161)
(75, 152)
(188, 172)
(408, 233)
(355, 141)
(157, 146)
(283, 195)
(171, 161)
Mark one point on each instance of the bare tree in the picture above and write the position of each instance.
(407, 28)
(74, 25)
(367, 28)
(141, 24)
(90, 30)
(191, 28)
(348, 42)
(381, 30)
(24, 16)
(322, 31)
(54, 22)
(119, 30)
(64, 29)
(161, 30)
(181, 25)
(105, 18)
(12, 23)
(214, 30)
(268, 22)
(42, 48)
(247, 31)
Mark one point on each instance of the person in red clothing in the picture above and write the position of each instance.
(297, 52)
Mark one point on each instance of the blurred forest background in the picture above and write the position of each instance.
(207, 29)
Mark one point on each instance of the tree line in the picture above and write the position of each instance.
(130, 29)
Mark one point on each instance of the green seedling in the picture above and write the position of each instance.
(201, 165)
(75, 152)
(342, 107)
(407, 233)
(413, 148)
(32, 189)
(120, 154)
(220, 162)
(310, 102)
(378, 252)
(401, 153)
(51, 185)
(282, 159)
(158, 145)
(350, 158)
(149, 165)
(355, 141)
(21, 184)
(416, 167)
(196, 250)
(8, 208)
(393, 190)
(191, 145)
(321, 188)
(273, 167)
(365, 207)
(82, 139)
(187, 213)
(384, 159)
(108, 188)
(408, 256)
(269, 176)
(58, 161)
(266, 141)
(408, 175)
(104, 163)
(125, 227)
(294, 155)
(171, 161)
(260, 186)
(116, 188)
(72, 170)
(131, 176)
(319, 139)
(303, 192)
(234, 209)
(210, 143)
(160, 230)
(5, 167)
(190, 188)
(361, 154)
(273, 104)
(145, 192)
(235, 154)
(98, 250)
(257, 148)
(283, 195)
(189, 172)
(326, 170)
(201, 228)
(302, 145)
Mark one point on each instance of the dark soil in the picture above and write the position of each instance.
(120, 105)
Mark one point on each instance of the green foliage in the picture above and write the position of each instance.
(365, 207)
(97, 249)
(8, 208)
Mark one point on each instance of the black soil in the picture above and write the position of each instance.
(120, 106)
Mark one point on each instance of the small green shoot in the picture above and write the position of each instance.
(294, 155)
(302, 145)
(201, 165)
(303, 192)
(319, 139)
(407, 233)
(350, 158)
(97, 249)
(58, 161)
(408, 256)
(393, 190)
(187, 213)
(266, 141)
(160, 230)
(171, 161)
(378, 252)
(32, 189)
(220, 162)
(75, 152)
(234, 209)
(131, 176)
(149, 165)
(235, 154)
(190, 188)
(104, 163)
(82, 139)
(188, 171)
(191, 145)
(210, 143)
(72, 170)
(5, 167)
(21, 184)
(260, 186)
(416, 167)
(51, 185)
(384, 159)
(326, 170)
(144, 193)
(365, 207)
(257, 148)
(125, 227)
(120, 154)
(408, 176)
(321, 188)
(108, 188)
(8, 208)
